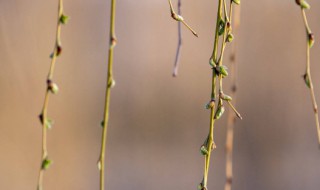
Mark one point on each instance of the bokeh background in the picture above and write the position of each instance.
(157, 122)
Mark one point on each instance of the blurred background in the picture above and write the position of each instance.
(157, 122)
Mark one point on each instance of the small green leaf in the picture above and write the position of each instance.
(46, 164)
(236, 2)
(64, 19)
(219, 112)
(225, 97)
(221, 27)
(49, 123)
(304, 4)
(230, 37)
(222, 70)
(306, 80)
(212, 63)
(102, 123)
(204, 150)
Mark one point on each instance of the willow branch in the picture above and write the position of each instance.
(51, 88)
(307, 76)
(223, 27)
(110, 84)
(179, 18)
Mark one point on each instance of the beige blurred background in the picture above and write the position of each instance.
(157, 122)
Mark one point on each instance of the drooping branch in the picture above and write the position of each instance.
(307, 75)
(180, 19)
(109, 85)
(51, 88)
(219, 71)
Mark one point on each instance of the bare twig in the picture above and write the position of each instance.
(179, 18)
(307, 76)
(110, 84)
(51, 88)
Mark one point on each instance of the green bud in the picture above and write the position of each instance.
(306, 80)
(210, 105)
(310, 39)
(177, 17)
(304, 4)
(53, 87)
(49, 123)
(230, 37)
(102, 123)
(212, 63)
(236, 2)
(111, 83)
(64, 19)
(46, 164)
(222, 70)
(204, 150)
(221, 27)
(225, 97)
(219, 112)
(99, 165)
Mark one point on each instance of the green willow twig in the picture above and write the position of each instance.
(219, 71)
(51, 88)
(179, 18)
(307, 76)
(110, 84)
(231, 115)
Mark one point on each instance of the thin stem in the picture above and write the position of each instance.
(308, 73)
(43, 116)
(179, 18)
(177, 59)
(231, 115)
(218, 72)
(110, 84)
(213, 96)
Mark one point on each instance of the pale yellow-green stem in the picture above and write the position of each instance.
(179, 18)
(307, 75)
(218, 72)
(110, 84)
(51, 88)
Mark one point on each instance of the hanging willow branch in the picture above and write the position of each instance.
(307, 76)
(231, 116)
(110, 84)
(180, 20)
(51, 88)
(219, 71)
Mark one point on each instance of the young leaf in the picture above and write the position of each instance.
(64, 19)
(46, 164)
